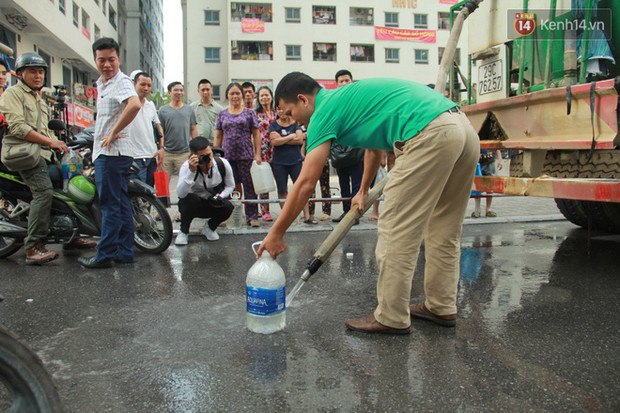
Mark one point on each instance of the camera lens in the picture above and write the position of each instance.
(204, 159)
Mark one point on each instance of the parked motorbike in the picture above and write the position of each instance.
(74, 215)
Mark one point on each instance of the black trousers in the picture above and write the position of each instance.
(193, 206)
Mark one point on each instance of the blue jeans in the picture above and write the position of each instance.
(117, 222)
(281, 174)
(350, 179)
(147, 169)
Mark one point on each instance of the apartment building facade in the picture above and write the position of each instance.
(262, 41)
(63, 31)
(142, 38)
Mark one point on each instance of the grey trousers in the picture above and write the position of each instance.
(40, 184)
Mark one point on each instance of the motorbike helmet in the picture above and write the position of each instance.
(81, 190)
(30, 60)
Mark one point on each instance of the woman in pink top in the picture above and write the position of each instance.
(266, 115)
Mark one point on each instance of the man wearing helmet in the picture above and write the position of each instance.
(27, 115)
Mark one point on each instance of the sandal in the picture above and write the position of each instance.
(475, 215)
(311, 221)
(491, 214)
(267, 217)
(373, 218)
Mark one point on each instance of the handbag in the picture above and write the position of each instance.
(342, 156)
(20, 154)
(162, 185)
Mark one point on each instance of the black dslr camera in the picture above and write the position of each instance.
(216, 200)
(204, 160)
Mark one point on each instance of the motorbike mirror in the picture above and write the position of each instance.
(56, 124)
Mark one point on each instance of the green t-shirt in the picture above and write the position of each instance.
(374, 113)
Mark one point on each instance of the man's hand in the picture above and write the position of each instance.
(59, 145)
(360, 200)
(274, 244)
(193, 162)
(159, 156)
(107, 141)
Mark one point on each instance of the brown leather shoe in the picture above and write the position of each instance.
(420, 311)
(369, 324)
(80, 244)
(38, 254)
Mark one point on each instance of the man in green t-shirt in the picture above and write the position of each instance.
(436, 151)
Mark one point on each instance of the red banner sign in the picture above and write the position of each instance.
(82, 116)
(327, 83)
(387, 33)
(252, 25)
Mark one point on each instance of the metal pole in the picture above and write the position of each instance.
(585, 44)
(469, 80)
(450, 50)
(549, 42)
(522, 54)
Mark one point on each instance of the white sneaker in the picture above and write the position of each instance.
(181, 239)
(210, 234)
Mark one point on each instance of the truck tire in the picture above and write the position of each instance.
(606, 216)
(573, 211)
(604, 164)
(516, 165)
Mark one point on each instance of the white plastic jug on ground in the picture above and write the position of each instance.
(262, 178)
(265, 295)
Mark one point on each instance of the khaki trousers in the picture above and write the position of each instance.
(174, 161)
(40, 184)
(425, 198)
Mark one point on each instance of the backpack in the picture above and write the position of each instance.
(342, 156)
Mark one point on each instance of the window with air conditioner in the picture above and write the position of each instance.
(361, 16)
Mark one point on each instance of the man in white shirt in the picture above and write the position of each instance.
(117, 106)
(206, 182)
(148, 152)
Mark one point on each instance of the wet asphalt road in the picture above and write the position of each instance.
(538, 329)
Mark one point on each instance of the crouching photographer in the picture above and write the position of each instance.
(205, 185)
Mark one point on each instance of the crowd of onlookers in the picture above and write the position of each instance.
(250, 129)
(210, 147)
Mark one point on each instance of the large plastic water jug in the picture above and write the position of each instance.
(262, 178)
(265, 295)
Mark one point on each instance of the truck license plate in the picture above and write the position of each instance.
(490, 77)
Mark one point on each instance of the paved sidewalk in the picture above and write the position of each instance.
(508, 209)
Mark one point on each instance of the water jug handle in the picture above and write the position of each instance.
(255, 246)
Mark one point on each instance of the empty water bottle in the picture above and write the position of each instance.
(236, 218)
(265, 295)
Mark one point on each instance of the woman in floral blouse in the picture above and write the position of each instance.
(266, 115)
(236, 132)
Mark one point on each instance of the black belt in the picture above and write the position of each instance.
(454, 110)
